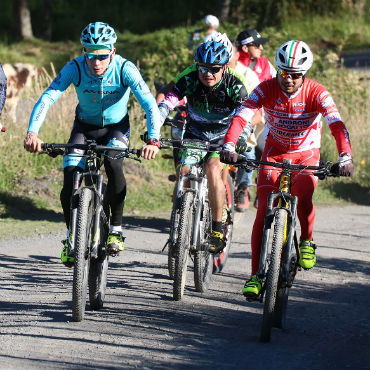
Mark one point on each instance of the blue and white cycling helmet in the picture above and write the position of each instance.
(98, 35)
(212, 52)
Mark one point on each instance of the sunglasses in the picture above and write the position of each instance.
(212, 70)
(254, 44)
(293, 76)
(92, 56)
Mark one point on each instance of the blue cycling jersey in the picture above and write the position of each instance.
(102, 99)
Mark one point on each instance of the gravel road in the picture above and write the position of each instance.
(141, 327)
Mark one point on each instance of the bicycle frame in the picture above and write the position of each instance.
(199, 186)
(93, 179)
(287, 202)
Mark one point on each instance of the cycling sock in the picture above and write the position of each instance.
(115, 229)
(218, 226)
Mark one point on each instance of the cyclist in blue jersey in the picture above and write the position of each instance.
(102, 80)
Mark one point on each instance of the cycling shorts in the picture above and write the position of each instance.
(112, 135)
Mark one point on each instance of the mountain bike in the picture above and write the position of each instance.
(89, 224)
(191, 221)
(279, 259)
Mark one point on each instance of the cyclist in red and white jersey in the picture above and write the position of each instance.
(294, 105)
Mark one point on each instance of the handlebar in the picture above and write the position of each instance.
(208, 146)
(54, 149)
(323, 170)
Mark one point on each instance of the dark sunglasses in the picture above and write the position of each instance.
(254, 44)
(293, 76)
(212, 70)
(92, 56)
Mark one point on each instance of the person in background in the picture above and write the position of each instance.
(250, 47)
(244, 176)
(207, 33)
(103, 81)
(294, 105)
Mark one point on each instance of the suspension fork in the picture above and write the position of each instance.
(99, 208)
(74, 205)
(201, 184)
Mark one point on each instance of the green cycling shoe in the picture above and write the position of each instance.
(115, 243)
(307, 256)
(252, 287)
(66, 256)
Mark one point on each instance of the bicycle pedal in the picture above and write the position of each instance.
(68, 264)
(113, 253)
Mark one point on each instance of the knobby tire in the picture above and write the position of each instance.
(183, 245)
(175, 215)
(203, 260)
(81, 263)
(273, 274)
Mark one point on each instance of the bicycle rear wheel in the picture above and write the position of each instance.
(220, 260)
(203, 260)
(183, 245)
(82, 258)
(273, 274)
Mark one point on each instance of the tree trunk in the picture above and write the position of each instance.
(224, 9)
(46, 30)
(23, 19)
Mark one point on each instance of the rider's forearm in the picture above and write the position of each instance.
(40, 110)
(237, 125)
(340, 133)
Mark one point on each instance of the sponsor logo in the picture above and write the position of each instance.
(327, 102)
(299, 104)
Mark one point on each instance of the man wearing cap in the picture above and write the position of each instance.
(250, 44)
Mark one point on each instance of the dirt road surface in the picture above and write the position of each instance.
(142, 327)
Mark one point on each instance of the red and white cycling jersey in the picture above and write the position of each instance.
(293, 122)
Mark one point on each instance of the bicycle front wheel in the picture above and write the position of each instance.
(175, 216)
(203, 260)
(183, 245)
(82, 243)
(273, 274)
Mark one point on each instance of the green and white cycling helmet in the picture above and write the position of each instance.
(98, 35)
(223, 39)
(294, 56)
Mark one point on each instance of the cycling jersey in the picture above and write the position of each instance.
(261, 66)
(293, 122)
(209, 108)
(102, 99)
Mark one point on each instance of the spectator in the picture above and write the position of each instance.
(207, 33)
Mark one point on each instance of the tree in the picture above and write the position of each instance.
(22, 16)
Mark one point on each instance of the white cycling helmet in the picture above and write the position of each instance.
(212, 21)
(294, 56)
(223, 39)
